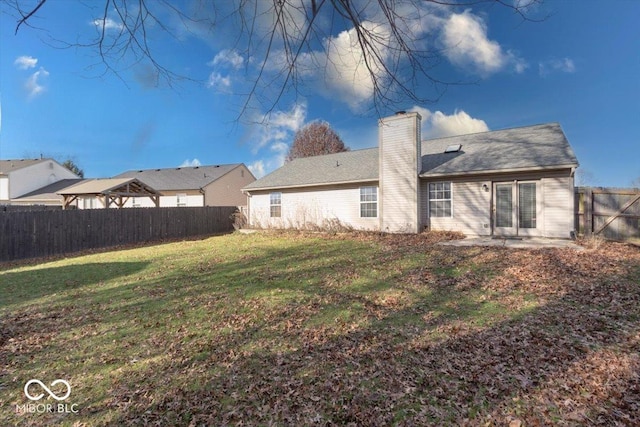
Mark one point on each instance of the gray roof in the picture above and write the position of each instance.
(183, 178)
(349, 166)
(7, 166)
(533, 147)
(50, 192)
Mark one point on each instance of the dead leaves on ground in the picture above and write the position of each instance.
(564, 349)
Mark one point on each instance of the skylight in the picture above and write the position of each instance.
(453, 148)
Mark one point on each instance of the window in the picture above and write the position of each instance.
(368, 202)
(440, 200)
(504, 205)
(181, 199)
(527, 204)
(89, 203)
(275, 202)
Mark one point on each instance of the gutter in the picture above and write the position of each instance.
(322, 184)
(494, 171)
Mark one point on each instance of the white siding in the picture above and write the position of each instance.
(166, 201)
(4, 188)
(312, 208)
(30, 178)
(171, 201)
(471, 209)
(558, 204)
(89, 202)
(399, 141)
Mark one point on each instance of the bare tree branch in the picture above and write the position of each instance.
(26, 17)
(293, 38)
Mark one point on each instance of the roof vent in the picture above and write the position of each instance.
(453, 148)
(401, 112)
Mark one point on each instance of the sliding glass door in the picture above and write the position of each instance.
(515, 208)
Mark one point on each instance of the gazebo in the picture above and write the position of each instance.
(111, 190)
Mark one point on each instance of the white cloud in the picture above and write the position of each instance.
(219, 82)
(264, 166)
(275, 132)
(336, 68)
(108, 23)
(438, 124)
(519, 64)
(339, 70)
(257, 168)
(228, 56)
(466, 43)
(347, 73)
(25, 62)
(291, 120)
(564, 65)
(190, 163)
(526, 5)
(34, 85)
(280, 147)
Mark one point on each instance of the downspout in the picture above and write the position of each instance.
(248, 212)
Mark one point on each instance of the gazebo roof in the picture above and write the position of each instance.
(116, 190)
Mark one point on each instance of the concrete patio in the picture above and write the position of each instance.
(519, 243)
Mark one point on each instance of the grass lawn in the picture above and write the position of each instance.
(301, 329)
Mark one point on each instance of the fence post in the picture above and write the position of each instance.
(588, 211)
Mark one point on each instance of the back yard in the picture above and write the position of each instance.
(295, 329)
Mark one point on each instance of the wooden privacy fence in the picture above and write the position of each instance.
(613, 213)
(45, 233)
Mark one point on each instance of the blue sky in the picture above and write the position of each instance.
(580, 67)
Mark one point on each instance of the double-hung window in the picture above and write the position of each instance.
(440, 200)
(368, 202)
(275, 205)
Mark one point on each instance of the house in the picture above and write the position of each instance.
(47, 195)
(215, 185)
(513, 182)
(23, 176)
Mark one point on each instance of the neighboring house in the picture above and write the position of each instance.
(513, 182)
(217, 185)
(21, 177)
(47, 195)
